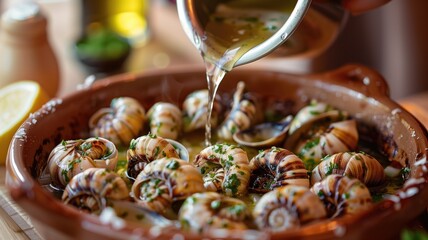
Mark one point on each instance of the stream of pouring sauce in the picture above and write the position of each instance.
(234, 28)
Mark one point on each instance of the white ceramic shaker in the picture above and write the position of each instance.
(25, 51)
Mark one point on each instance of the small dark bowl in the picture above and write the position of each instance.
(95, 64)
(354, 88)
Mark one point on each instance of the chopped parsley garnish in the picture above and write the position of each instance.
(215, 204)
(232, 183)
(173, 165)
(133, 144)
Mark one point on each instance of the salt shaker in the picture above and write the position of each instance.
(25, 51)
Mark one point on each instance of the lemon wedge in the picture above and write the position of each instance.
(17, 101)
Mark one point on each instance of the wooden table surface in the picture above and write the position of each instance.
(63, 28)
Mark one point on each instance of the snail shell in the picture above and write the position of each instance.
(120, 123)
(245, 112)
(146, 149)
(287, 207)
(214, 179)
(314, 110)
(71, 157)
(206, 211)
(164, 181)
(277, 167)
(236, 167)
(195, 110)
(165, 120)
(336, 137)
(342, 195)
(357, 165)
(92, 189)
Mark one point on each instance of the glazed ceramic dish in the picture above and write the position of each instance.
(360, 91)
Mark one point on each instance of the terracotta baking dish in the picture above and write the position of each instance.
(354, 88)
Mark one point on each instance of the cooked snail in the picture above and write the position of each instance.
(71, 157)
(120, 123)
(202, 212)
(234, 180)
(195, 110)
(146, 149)
(164, 181)
(321, 140)
(165, 120)
(342, 195)
(314, 110)
(287, 207)
(92, 189)
(356, 165)
(245, 112)
(277, 167)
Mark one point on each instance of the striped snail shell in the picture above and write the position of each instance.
(207, 211)
(277, 167)
(164, 181)
(146, 149)
(71, 157)
(245, 112)
(315, 140)
(195, 110)
(236, 174)
(314, 110)
(165, 120)
(119, 123)
(342, 195)
(287, 207)
(91, 189)
(356, 165)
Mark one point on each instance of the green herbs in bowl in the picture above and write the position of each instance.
(102, 50)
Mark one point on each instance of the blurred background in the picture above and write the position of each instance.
(391, 39)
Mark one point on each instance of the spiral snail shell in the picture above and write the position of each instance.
(320, 140)
(71, 157)
(357, 165)
(119, 123)
(236, 174)
(91, 189)
(287, 207)
(195, 110)
(314, 110)
(165, 120)
(277, 167)
(206, 211)
(342, 195)
(245, 112)
(146, 149)
(164, 181)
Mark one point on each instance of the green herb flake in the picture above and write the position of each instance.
(157, 149)
(346, 195)
(133, 144)
(64, 173)
(215, 204)
(237, 209)
(233, 130)
(86, 146)
(232, 183)
(64, 144)
(405, 170)
(173, 165)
